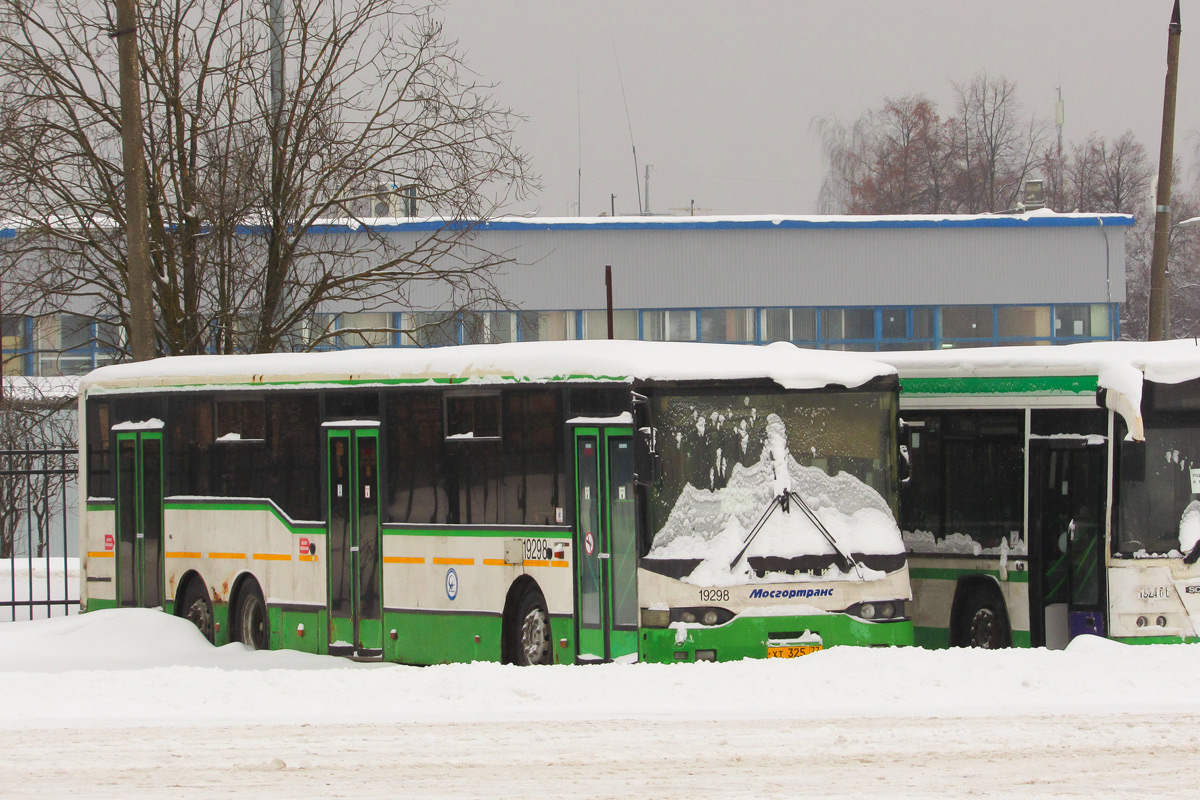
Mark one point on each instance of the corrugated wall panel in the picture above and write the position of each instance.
(842, 267)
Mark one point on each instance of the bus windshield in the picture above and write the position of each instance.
(1158, 513)
(726, 457)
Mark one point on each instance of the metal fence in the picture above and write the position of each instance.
(38, 541)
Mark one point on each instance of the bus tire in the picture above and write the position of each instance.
(195, 607)
(530, 630)
(251, 618)
(985, 623)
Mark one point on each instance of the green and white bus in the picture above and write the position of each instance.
(1053, 492)
(543, 502)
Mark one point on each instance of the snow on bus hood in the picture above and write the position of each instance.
(1120, 367)
(712, 525)
(787, 365)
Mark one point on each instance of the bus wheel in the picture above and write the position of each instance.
(531, 630)
(253, 624)
(197, 609)
(986, 627)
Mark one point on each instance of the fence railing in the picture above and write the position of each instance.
(39, 567)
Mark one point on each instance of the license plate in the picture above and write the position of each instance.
(792, 650)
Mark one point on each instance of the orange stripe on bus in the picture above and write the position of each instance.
(560, 563)
(403, 560)
(308, 558)
(272, 557)
(533, 563)
(101, 554)
(181, 555)
(461, 562)
(226, 555)
(494, 562)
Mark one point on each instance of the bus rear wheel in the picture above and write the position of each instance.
(197, 609)
(253, 624)
(986, 627)
(531, 631)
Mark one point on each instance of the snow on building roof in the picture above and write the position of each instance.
(1041, 218)
(626, 361)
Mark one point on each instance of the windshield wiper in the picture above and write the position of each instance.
(783, 500)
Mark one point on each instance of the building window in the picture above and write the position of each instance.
(547, 326)
(595, 324)
(429, 329)
(966, 322)
(1073, 321)
(14, 341)
(1023, 322)
(489, 327)
(789, 324)
(669, 326)
(894, 323)
(727, 325)
(365, 329)
(847, 323)
(64, 344)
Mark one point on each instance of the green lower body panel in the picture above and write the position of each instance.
(562, 633)
(299, 630)
(423, 638)
(747, 637)
(1157, 639)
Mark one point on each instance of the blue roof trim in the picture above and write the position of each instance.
(677, 223)
(1116, 220)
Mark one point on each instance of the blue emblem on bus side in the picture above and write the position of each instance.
(451, 583)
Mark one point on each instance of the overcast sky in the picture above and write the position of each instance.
(721, 95)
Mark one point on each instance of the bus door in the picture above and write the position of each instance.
(605, 547)
(139, 510)
(1067, 505)
(355, 553)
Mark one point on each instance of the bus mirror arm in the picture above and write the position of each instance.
(647, 464)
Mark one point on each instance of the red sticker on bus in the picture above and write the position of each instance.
(109, 542)
(303, 546)
(589, 543)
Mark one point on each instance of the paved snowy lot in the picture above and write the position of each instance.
(135, 704)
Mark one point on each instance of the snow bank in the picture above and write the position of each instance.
(135, 667)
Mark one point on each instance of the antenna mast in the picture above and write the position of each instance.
(637, 177)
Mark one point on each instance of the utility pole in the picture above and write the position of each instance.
(139, 280)
(1159, 326)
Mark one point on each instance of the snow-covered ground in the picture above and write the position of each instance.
(136, 703)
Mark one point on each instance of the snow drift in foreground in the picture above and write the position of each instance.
(139, 667)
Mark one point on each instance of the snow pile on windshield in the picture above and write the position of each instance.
(956, 544)
(713, 525)
(1189, 527)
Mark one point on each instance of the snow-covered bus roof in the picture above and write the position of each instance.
(1119, 367)
(622, 361)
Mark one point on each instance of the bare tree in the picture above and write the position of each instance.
(904, 158)
(995, 146)
(891, 161)
(256, 208)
